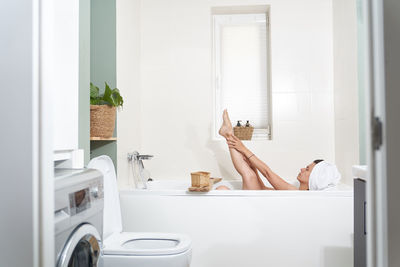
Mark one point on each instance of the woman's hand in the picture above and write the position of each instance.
(234, 142)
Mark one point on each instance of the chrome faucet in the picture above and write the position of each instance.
(137, 160)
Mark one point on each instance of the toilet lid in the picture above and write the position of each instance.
(112, 209)
(146, 244)
(150, 243)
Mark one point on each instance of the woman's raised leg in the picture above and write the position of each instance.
(250, 178)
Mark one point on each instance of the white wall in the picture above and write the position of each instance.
(128, 81)
(176, 95)
(345, 85)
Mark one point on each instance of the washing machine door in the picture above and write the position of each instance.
(82, 248)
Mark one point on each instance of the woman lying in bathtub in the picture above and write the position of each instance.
(318, 175)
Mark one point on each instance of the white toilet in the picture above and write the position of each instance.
(131, 249)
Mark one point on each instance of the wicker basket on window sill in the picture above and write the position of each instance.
(243, 132)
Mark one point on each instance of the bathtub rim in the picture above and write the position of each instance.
(237, 193)
(127, 190)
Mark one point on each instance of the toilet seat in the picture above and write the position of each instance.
(140, 244)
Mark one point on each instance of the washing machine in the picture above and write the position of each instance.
(78, 216)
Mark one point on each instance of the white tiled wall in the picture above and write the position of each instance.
(345, 86)
(128, 81)
(175, 95)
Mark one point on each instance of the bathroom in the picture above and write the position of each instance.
(310, 44)
(161, 56)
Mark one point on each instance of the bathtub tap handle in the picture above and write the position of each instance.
(144, 157)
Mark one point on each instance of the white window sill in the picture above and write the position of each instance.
(258, 135)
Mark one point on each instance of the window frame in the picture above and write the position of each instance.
(258, 134)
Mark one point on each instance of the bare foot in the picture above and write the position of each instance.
(226, 127)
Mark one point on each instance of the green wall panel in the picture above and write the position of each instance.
(99, 148)
(103, 43)
(103, 61)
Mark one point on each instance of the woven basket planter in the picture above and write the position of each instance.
(102, 121)
(243, 133)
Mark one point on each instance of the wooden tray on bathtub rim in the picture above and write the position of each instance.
(205, 188)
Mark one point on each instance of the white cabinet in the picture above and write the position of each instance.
(66, 63)
(60, 67)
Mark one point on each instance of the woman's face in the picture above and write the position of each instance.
(304, 174)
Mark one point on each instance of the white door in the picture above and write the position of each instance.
(26, 202)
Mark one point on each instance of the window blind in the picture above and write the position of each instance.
(241, 67)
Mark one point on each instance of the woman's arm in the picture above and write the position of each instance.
(275, 180)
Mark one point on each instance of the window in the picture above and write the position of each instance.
(241, 70)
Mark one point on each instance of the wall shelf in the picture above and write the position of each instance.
(103, 139)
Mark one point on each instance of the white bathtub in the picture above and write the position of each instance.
(243, 228)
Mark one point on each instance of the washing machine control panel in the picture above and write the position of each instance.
(77, 196)
(82, 199)
(79, 201)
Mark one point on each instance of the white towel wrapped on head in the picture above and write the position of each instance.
(324, 175)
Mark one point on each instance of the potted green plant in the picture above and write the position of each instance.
(102, 110)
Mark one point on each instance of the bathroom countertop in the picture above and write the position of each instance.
(360, 171)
